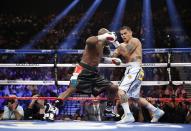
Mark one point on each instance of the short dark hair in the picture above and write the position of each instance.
(125, 27)
(11, 101)
(102, 31)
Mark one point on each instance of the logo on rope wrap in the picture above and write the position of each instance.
(46, 51)
(11, 81)
(10, 51)
(160, 50)
(31, 65)
(49, 82)
(148, 64)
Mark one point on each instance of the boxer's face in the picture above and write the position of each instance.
(126, 35)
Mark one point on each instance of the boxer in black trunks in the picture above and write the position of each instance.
(86, 78)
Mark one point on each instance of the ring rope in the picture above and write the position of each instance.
(91, 98)
(169, 67)
(148, 83)
(144, 83)
(72, 51)
(38, 82)
(100, 65)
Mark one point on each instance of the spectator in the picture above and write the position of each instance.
(12, 110)
(35, 110)
(94, 110)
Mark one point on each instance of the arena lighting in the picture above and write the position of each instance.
(50, 26)
(147, 31)
(147, 25)
(178, 33)
(118, 17)
(71, 39)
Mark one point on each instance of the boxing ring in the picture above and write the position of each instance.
(88, 126)
(9, 125)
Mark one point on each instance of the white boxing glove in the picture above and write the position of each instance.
(116, 61)
(116, 43)
(109, 36)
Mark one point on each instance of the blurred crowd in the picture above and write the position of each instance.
(18, 29)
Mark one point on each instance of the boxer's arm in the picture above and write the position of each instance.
(91, 42)
(132, 45)
(115, 53)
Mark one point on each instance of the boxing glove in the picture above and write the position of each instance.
(116, 43)
(116, 61)
(108, 60)
(109, 36)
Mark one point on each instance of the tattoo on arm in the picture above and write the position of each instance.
(124, 98)
(130, 48)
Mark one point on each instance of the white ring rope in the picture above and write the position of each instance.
(26, 65)
(36, 82)
(169, 68)
(100, 65)
(26, 82)
(144, 83)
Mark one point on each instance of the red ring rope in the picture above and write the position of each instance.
(90, 98)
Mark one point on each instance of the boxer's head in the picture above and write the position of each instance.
(102, 31)
(126, 33)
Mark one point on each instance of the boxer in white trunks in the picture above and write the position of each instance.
(131, 51)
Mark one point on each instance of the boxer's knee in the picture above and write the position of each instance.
(114, 88)
(121, 93)
(112, 91)
(122, 96)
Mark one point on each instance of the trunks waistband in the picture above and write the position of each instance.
(88, 67)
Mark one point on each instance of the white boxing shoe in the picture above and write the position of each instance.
(128, 118)
(157, 115)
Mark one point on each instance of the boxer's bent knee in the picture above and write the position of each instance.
(112, 91)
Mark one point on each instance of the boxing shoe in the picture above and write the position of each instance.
(50, 112)
(157, 115)
(108, 112)
(128, 118)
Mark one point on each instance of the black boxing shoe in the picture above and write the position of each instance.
(108, 112)
(50, 112)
